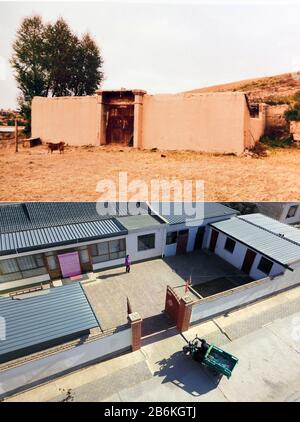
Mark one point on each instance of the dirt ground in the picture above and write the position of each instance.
(34, 175)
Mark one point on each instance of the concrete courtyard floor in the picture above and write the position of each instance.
(264, 336)
(145, 287)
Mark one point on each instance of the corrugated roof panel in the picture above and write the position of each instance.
(274, 226)
(174, 212)
(51, 236)
(46, 319)
(255, 231)
(36, 215)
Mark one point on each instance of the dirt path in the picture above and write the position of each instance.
(34, 175)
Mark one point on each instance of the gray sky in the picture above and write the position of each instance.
(169, 47)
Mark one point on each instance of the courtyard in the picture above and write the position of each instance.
(145, 287)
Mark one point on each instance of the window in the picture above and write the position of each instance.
(22, 267)
(106, 251)
(171, 238)
(52, 261)
(146, 241)
(292, 211)
(229, 245)
(265, 265)
(83, 254)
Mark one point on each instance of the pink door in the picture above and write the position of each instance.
(69, 264)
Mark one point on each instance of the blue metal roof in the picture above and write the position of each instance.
(175, 213)
(48, 318)
(26, 240)
(280, 242)
(34, 215)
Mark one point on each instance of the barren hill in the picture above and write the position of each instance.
(270, 89)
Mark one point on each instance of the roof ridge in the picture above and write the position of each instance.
(280, 236)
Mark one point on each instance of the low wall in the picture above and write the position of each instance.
(74, 120)
(240, 296)
(37, 371)
(213, 122)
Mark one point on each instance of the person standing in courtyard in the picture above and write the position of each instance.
(127, 263)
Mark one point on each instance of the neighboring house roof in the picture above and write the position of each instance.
(34, 239)
(280, 242)
(33, 215)
(139, 221)
(175, 212)
(271, 209)
(48, 318)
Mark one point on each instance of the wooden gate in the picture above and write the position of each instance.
(120, 124)
(172, 304)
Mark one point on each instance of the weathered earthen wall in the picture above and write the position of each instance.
(74, 120)
(201, 122)
(295, 131)
(275, 120)
(257, 126)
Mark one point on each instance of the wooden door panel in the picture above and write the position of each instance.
(248, 261)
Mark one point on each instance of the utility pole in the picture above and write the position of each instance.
(16, 134)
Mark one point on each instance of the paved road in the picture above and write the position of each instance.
(264, 336)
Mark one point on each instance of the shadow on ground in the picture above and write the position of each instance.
(186, 374)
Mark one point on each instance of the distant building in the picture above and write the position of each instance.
(211, 122)
(286, 212)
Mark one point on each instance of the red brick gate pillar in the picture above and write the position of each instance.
(136, 330)
(184, 314)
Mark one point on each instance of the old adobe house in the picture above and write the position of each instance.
(211, 122)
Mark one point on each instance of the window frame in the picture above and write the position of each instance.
(260, 264)
(229, 240)
(292, 207)
(111, 254)
(171, 234)
(139, 240)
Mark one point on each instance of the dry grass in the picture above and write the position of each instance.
(34, 175)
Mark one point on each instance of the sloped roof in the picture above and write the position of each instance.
(26, 240)
(46, 319)
(33, 215)
(280, 242)
(177, 213)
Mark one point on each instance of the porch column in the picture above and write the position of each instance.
(137, 124)
(101, 133)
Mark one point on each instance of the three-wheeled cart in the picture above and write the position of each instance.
(218, 360)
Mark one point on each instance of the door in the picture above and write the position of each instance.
(248, 261)
(182, 241)
(213, 240)
(120, 124)
(199, 238)
(69, 264)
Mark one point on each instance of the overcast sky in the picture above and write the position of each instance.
(169, 47)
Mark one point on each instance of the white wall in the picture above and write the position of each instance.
(40, 370)
(237, 257)
(222, 302)
(23, 282)
(170, 250)
(132, 244)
